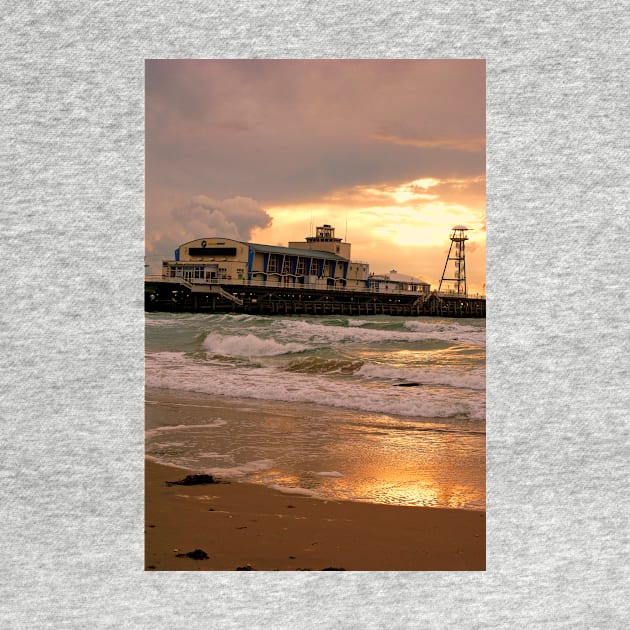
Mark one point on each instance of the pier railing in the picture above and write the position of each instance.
(383, 288)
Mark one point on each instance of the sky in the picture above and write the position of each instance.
(389, 152)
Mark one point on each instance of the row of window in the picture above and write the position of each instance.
(186, 271)
(314, 268)
(385, 285)
(200, 271)
(189, 272)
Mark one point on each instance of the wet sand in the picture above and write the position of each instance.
(247, 525)
(338, 454)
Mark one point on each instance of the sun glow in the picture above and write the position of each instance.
(424, 182)
(403, 225)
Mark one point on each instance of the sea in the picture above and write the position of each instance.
(378, 409)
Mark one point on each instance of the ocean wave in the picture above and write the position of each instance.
(357, 322)
(321, 334)
(248, 346)
(312, 333)
(321, 365)
(472, 379)
(472, 335)
(166, 358)
(272, 384)
(160, 323)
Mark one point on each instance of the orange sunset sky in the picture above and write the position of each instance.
(260, 150)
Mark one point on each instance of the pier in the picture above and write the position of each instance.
(182, 295)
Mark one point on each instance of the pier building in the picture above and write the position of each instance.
(319, 262)
(316, 275)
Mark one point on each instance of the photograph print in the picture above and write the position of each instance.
(315, 315)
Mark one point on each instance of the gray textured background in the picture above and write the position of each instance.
(71, 375)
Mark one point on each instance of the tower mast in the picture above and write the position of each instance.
(458, 256)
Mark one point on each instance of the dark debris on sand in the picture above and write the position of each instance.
(197, 554)
(247, 567)
(193, 480)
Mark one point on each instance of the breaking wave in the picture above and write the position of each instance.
(248, 346)
(274, 384)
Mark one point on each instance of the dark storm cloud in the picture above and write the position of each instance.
(232, 218)
(203, 216)
(290, 131)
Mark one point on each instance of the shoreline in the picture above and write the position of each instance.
(416, 477)
(248, 525)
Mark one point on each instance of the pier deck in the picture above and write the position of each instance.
(179, 295)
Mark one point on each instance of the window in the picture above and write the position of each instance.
(273, 264)
(222, 273)
(196, 271)
(286, 265)
(300, 267)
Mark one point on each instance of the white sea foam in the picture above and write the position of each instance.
(160, 323)
(213, 455)
(166, 358)
(174, 319)
(471, 379)
(320, 334)
(185, 427)
(239, 317)
(247, 346)
(472, 335)
(242, 470)
(332, 473)
(357, 322)
(298, 491)
(271, 384)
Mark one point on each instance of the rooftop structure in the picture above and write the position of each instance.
(324, 241)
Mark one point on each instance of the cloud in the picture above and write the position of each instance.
(235, 218)
(473, 144)
(393, 148)
(288, 131)
(414, 194)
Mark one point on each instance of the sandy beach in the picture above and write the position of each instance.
(247, 525)
(330, 463)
